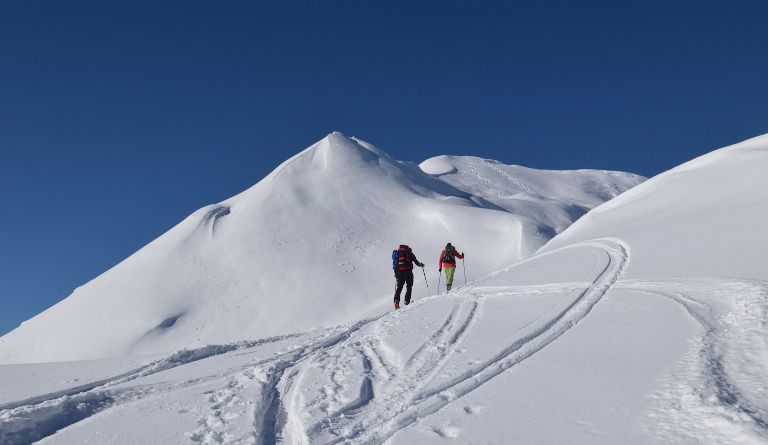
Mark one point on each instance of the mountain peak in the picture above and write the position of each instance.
(337, 149)
(335, 136)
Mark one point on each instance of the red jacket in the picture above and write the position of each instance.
(449, 264)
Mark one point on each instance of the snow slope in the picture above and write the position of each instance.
(307, 246)
(708, 217)
(586, 342)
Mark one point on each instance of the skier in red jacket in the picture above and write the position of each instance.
(448, 262)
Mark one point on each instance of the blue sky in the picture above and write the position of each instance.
(118, 119)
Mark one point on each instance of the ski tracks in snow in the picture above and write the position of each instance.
(41, 416)
(387, 390)
(718, 392)
(395, 395)
(38, 417)
(266, 400)
(351, 385)
(268, 383)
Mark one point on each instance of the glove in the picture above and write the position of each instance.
(440, 269)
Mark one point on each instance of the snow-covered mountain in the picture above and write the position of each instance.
(644, 322)
(309, 246)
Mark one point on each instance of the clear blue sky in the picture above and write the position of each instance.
(119, 118)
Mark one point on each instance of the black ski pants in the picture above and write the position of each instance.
(403, 277)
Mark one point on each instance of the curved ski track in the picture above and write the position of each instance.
(408, 395)
(38, 417)
(390, 399)
(721, 392)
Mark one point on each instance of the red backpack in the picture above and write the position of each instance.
(404, 261)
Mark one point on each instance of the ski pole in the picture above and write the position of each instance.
(439, 275)
(465, 270)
